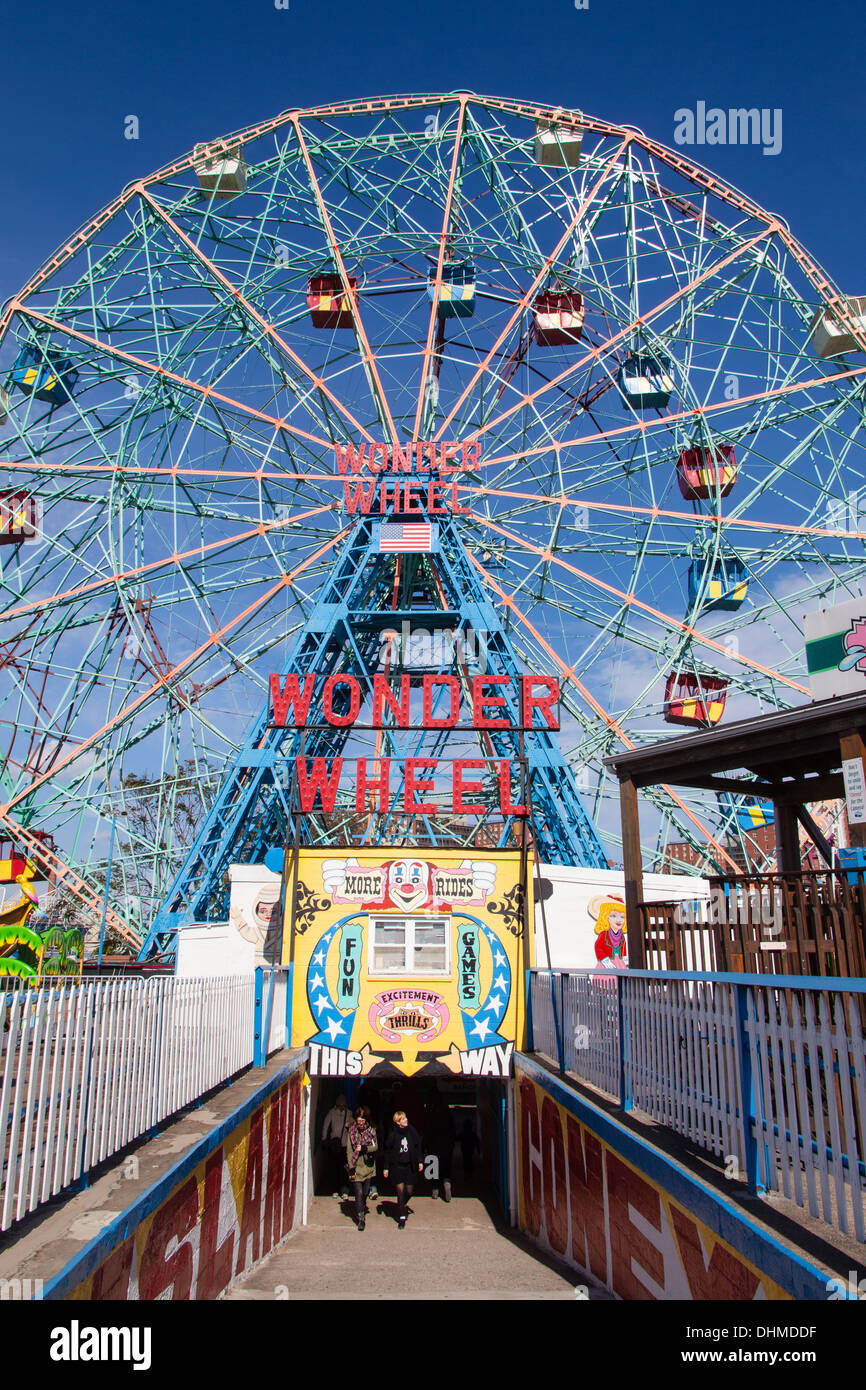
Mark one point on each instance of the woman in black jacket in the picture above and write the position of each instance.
(402, 1162)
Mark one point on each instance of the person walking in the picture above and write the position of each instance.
(468, 1146)
(370, 1096)
(402, 1162)
(334, 1144)
(361, 1146)
(439, 1138)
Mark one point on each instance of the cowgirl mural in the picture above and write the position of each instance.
(611, 947)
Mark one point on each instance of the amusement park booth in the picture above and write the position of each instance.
(407, 977)
(407, 965)
(793, 920)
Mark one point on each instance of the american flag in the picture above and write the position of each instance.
(407, 537)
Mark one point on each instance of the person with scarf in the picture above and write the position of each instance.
(361, 1148)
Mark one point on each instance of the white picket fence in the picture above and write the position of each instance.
(85, 1069)
(809, 1072)
(768, 1076)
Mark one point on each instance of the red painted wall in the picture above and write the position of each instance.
(220, 1219)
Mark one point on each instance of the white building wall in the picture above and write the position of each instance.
(213, 948)
(570, 913)
(238, 946)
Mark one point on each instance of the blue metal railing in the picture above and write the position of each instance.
(272, 1028)
(767, 1070)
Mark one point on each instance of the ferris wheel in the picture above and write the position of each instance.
(666, 392)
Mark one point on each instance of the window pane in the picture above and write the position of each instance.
(430, 935)
(429, 958)
(390, 936)
(389, 958)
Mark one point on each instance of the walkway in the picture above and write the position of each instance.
(448, 1251)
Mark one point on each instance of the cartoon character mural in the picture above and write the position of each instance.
(611, 942)
(20, 912)
(406, 965)
(254, 909)
(407, 884)
(855, 647)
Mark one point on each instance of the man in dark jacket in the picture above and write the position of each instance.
(334, 1145)
(439, 1139)
(402, 1162)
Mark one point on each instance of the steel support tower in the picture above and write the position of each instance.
(368, 596)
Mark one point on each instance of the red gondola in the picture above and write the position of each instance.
(44, 838)
(558, 316)
(12, 861)
(19, 518)
(329, 303)
(701, 473)
(693, 700)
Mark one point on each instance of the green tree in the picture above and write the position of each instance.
(155, 823)
(160, 820)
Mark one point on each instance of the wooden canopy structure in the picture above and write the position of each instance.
(791, 758)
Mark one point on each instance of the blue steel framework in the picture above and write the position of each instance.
(368, 595)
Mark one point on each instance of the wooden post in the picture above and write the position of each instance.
(852, 746)
(787, 839)
(633, 866)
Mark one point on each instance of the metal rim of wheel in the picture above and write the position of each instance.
(188, 508)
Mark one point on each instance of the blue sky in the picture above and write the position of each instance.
(192, 72)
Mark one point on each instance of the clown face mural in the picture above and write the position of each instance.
(408, 884)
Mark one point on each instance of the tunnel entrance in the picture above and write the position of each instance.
(461, 1122)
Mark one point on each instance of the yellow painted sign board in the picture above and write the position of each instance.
(407, 964)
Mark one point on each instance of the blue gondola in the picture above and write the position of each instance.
(854, 860)
(457, 294)
(43, 375)
(726, 585)
(645, 381)
(750, 812)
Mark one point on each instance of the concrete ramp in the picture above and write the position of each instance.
(448, 1251)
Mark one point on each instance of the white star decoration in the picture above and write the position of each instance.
(481, 1029)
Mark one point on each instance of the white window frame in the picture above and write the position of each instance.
(409, 923)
